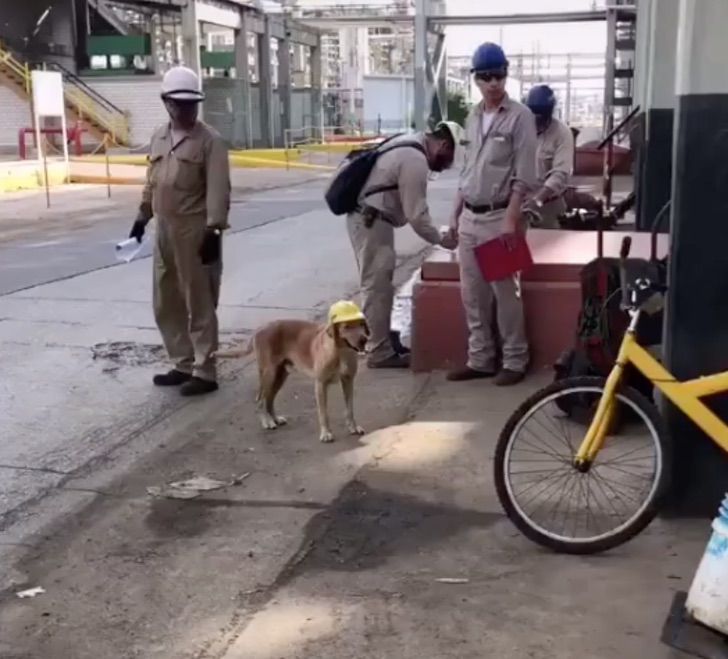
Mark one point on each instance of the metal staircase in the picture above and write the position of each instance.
(619, 83)
(88, 106)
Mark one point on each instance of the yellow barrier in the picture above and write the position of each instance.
(237, 159)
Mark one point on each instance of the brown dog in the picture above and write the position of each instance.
(327, 353)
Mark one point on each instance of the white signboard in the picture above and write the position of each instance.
(47, 93)
(48, 101)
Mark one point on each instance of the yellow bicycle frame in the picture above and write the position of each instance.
(684, 395)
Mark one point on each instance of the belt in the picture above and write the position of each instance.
(370, 215)
(485, 208)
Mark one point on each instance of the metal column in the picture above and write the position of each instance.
(317, 112)
(243, 119)
(191, 36)
(420, 64)
(285, 84)
(265, 84)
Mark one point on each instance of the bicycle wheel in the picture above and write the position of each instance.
(563, 509)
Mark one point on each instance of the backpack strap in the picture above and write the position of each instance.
(388, 188)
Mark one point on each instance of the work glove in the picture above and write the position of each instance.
(138, 228)
(211, 248)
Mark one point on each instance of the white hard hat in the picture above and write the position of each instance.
(182, 84)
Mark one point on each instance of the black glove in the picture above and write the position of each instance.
(211, 248)
(137, 230)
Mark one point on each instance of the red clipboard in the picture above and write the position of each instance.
(497, 261)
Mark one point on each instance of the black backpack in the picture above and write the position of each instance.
(343, 193)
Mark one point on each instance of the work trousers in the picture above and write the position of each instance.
(480, 297)
(376, 259)
(186, 294)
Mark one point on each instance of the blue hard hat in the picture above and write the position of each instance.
(541, 100)
(489, 57)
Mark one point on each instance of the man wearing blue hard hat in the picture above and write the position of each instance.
(554, 157)
(498, 176)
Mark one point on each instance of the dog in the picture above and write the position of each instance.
(326, 352)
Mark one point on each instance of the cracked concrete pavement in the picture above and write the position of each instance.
(322, 552)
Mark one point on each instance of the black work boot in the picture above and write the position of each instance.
(466, 374)
(395, 361)
(197, 387)
(394, 339)
(509, 378)
(172, 379)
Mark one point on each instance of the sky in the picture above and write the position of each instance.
(549, 38)
(554, 38)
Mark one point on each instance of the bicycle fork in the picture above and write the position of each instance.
(606, 409)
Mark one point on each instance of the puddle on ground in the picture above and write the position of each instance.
(126, 353)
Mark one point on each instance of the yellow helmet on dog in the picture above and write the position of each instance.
(344, 311)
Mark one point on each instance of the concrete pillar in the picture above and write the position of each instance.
(243, 115)
(317, 89)
(642, 50)
(421, 56)
(659, 107)
(697, 314)
(265, 84)
(191, 36)
(285, 82)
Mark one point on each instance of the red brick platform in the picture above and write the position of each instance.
(551, 297)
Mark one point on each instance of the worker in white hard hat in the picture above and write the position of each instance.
(188, 191)
(394, 195)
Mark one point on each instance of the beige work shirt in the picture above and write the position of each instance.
(501, 161)
(407, 168)
(555, 157)
(190, 179)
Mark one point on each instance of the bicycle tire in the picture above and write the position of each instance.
(635, 525)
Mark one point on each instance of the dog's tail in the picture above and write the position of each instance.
(234, 354)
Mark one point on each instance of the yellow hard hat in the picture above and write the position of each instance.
(344, 311)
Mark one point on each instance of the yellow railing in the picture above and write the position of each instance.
(85, 106)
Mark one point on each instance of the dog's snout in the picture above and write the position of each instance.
(363, 342)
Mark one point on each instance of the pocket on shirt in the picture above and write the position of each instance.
(190, 171)
(545, 163)
(499, 149)
(155, 161)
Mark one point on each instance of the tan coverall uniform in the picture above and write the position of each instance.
(407, 168)
(188, 187)
(496, 163)
(554, 167)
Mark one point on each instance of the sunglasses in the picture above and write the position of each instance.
(488, 76)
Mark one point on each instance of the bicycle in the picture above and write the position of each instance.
(526, 486)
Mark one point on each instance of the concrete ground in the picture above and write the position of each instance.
(321, 550)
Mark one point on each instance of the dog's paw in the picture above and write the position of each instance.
(326, 436)
(268, 423)
(281, 421)
(355, 429)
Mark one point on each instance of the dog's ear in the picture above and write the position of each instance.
(366, 328)
(332, 331)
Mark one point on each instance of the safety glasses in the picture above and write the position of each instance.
(487, 76)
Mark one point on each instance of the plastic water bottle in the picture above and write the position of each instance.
(708, 596)
(128, 249)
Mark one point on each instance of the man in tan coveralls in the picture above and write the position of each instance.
(188, 191)
(404, 171)
(554, 158)
(498, 176)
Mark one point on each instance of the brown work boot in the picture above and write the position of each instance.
(467, 373)
(508, 378)
(197, 387)
(395, 361)
(172, 379)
